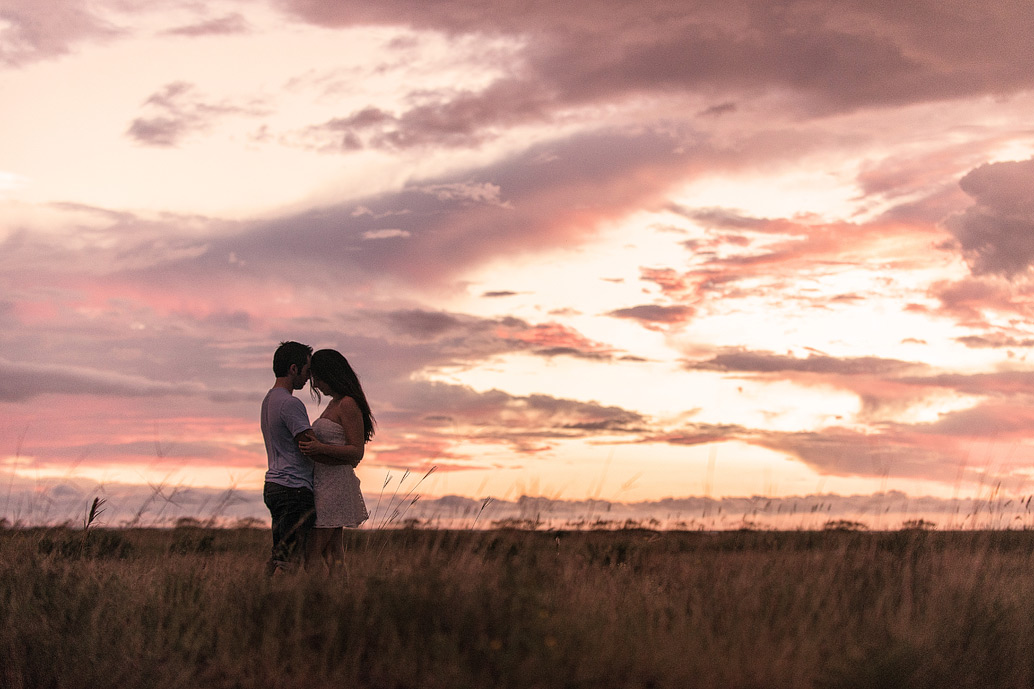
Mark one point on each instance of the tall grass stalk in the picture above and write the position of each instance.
(396, 510)
(92, 513)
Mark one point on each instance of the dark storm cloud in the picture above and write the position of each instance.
(996, 234)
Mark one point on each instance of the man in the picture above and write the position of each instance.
(288, 487)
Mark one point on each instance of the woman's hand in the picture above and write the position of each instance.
(310, 447)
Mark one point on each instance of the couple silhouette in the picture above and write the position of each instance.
(311, 488)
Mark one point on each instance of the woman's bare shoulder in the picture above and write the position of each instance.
(348, 402)
(347, 414)
(345, 408)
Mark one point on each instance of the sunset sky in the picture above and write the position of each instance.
(607, 249)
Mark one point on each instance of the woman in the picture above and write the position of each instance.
(342, 431)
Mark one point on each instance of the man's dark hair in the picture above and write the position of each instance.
(289, 353)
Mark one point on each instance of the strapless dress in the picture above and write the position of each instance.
(339, 500)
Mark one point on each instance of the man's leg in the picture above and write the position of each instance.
(293, 512)
(272, 495)
(300, 518)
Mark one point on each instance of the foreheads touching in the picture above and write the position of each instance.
(332, 374)
(331, 368)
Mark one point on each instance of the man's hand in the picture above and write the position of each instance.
(310, 446)
(325, 453)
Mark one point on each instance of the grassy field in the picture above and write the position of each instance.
(190, 607)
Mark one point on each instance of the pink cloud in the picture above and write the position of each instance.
(535, 204)
(834, 58)
(844, 452)
(971, 301)
(36, 31)
(234, 23)
(1001, 421)
(177, 112)
(179, 315)
(996, 234)
(1018, 383)
(767, 362)
(528, 424)
(883, 385)
(778, 251)
(656, 316)
(554, 338)
(420, 455)
(450, 120)
(668, 279)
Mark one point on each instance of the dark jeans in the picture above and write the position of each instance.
(294, 513)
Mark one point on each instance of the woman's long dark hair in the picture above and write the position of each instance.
(330, 366)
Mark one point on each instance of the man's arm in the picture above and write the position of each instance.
(328, 454)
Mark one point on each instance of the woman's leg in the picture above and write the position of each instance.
(334, 550)
(315, 553)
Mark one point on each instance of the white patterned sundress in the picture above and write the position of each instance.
(339, 501)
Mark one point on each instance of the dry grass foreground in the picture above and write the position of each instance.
(507, 608)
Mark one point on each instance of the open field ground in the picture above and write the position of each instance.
(190, 607)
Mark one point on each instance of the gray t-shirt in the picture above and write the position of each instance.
(284, 417)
